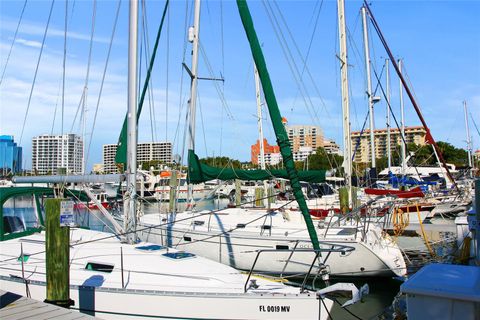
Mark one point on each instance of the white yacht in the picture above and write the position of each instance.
(115, 280)
(236, 236)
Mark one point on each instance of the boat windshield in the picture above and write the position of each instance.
(20, 214)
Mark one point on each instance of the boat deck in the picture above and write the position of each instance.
(15, 307)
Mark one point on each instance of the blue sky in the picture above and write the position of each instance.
(438, 40)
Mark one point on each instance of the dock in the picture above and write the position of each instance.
(16, 307)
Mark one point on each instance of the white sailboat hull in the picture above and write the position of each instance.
(144, 304)
(239, 248)
(146, 284)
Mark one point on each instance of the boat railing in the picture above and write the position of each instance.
(333, 248)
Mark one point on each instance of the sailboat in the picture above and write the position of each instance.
(114, 276)
(272, 241)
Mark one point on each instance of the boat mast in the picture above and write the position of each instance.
(130, 205)
(402, 124)
(369, 87)
(193, 33)
(260, 129)
(469, 140)
(347, 141)
(389, 151)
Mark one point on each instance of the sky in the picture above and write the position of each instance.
(439, 42)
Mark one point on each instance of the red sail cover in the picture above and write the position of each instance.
(412, 193)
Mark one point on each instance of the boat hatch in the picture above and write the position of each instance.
(346, 232)
(198, 222)
(150, 248)
(95, 266)
(241, 226)
(178, 255)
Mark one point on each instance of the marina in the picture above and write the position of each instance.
(175, 223)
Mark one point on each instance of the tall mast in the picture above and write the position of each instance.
(389, 151)
(402, 124)
(260, 129)
(130, 205)
(469, 141)
(369, 86)
(259, 118)
(347, 141)
(193, 33)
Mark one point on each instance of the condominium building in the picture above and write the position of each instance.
(267, 150)
(303, 153)
(10, 156)
(331, 147)
(361, 141)
(148, 151)
(50, 152)
(304, 136)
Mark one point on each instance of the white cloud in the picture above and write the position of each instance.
(29, 43)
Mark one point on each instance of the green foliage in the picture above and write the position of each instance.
(222, 162)
(322, 160)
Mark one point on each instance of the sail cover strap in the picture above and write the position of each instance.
(280, 132)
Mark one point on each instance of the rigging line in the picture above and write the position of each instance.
(287, 57)
(391, 111)
(85, 87)
(167, 76)
(305, 60)
(216, 85)
(13, 41)
(203, 125)
(294, 69)
(474, 124)
(36, 71)
(103, 79)
(180, 102)
(223, 70)
(146, 45)
(297, 75)
(56, 106)
(64, 64)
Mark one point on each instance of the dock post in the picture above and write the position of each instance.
(238, 193)
(57, 255)
(259, 197)
(344, 207)
(173, 190)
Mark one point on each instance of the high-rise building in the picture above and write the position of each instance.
(361, 143)
(331, 147)
(50, 152)
(148, 151)
(268, 149)
(304, 136)
(10, 156)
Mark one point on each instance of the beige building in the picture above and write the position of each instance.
(161, 151)
(331, 147)
(304, 136)
(362, 154)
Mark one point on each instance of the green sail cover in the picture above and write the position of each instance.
(121, 155)
(280, 132)
(199, 172)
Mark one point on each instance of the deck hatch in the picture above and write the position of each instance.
(178, 255)
(94, 266)
(150, 248)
